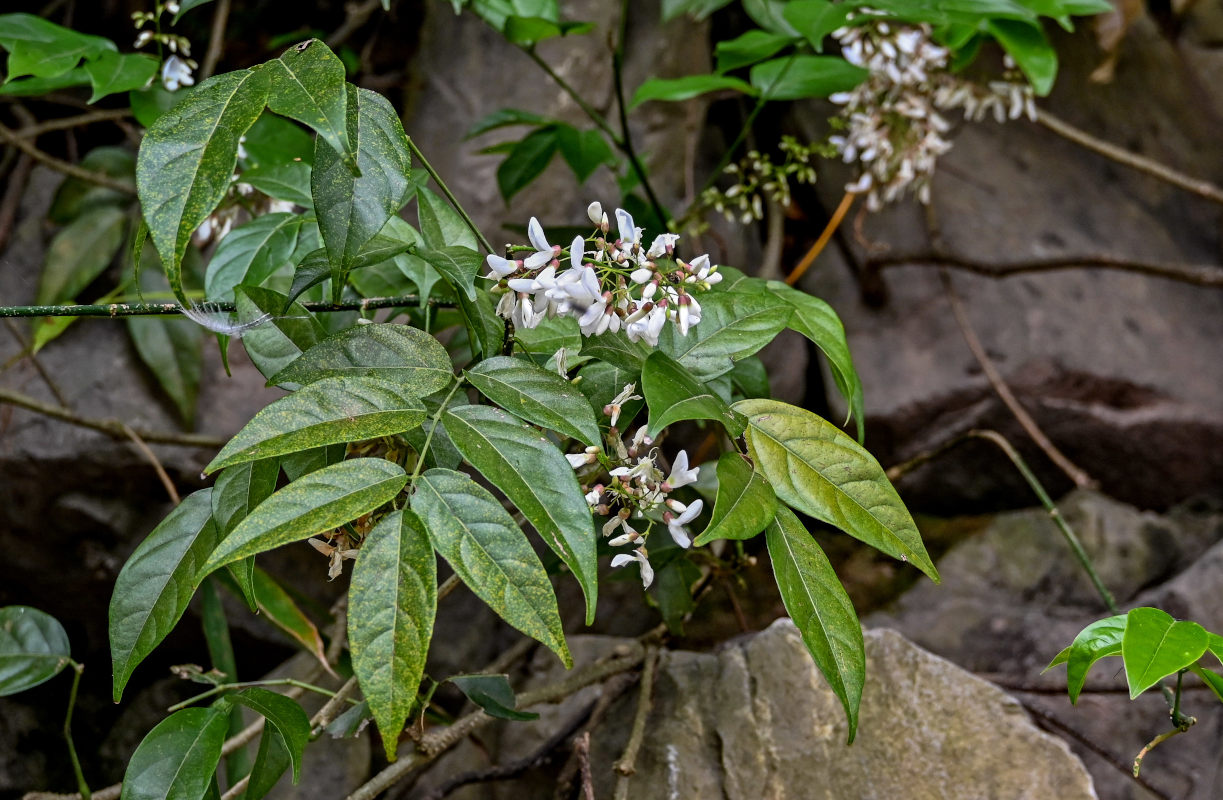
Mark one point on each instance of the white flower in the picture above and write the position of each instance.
(630, 235)
(502, 266)
(594, 212)
(642, 469)
(662, 245)
(681, 475)
(638, 555)
(676, 524)
(176, 72)
(544, 252)
(614, 408)
(641, 275)
(592, 497)
(588, 456)
(596, 319)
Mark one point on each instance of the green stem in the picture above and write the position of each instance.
(629, 151)
(227, 687)
(454, 201)
(81, 785)
(420, 457)
(154, 309)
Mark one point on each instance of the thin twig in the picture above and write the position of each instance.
(27, 352)
(331, 708)
(825, 237)
(1156, 742)
(170, 309)
(1073, 471)
(355, 15)
(448, 586)
(612, 690)
(454, 201)
(71, 170)
(1196, 274)
(64, 123)
(627, 765)
(1064, 129)
(216, 39)
(338, 633)
(111, 427)
(152, 458)
(237, 789)
(581, 751)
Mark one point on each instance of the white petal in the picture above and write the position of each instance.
(576, 459)
(594, 212)
(641, 275)
(622, 559)
(535, 232)
(575, 252)
(624, 221)
(537, 260)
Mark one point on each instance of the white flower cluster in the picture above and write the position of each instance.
(618, 285)
(637, 490)
(894, 130)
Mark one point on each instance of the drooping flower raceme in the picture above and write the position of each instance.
(606, 284)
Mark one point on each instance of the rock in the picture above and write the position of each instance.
(757, 720)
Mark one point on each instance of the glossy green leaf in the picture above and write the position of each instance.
(148, 105)
(480, 541)
(817, 602)
(111, 73)
(536, 395)
(733, 326)
(745, 503)
(278, 608)
(503, 118)
(80, 253)
(271, 761)
(673, 592)
(815, 19)
(1098, 640)
(282, 713)
(32, 87)
(525, 161)
(275, 140)
(392, 603)
(798, 77)
(551, 334)
(749, 48)
(292, 330)
(350, 209)
(155, 585)
(1155, 645)
(584, 151)
(687, 87)
(750, 378)
(314, 504)
(327, 411)
(770, 15)
(535, 476)
(1212, 679)
(817, 469)
(616, 349)
(492, 693)
(307, 461)
(252, 252)
(235, 494)
(484, 327)
(1214, 643)
(601, 382)
(41, 48)
(1027, 44)
(186, 5)
(440, 225)
(307, 84)
(289, 181)
(459, 265)
(816, 320)
(673, 395)
(399, 354)
(33, 648)
(187, 159)
(176, 760)
(317, 267)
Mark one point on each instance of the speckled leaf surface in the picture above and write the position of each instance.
(320, 501)
(392, 602)
(817, 602)
(307, 84)
(397, 353)
(536, 395)
(745, 502)
(176, 760)
(155, 585)
(815, 467)
(273, 346)
(674, 395)
(352, 209)
(187, 160)
(479, 539)
(535, 476)
(733, 326)
(324, 412)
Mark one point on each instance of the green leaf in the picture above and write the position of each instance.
(292, 331)
(601, 382)
(399, 354)
(770, 15)
(33, 648)
(274, 140)
(327, 411)
(815, 19)
(798, 77)
(32, 87)
(550, 335)
(745, 503)
(271, 761)
(278, 608)
(687, 87)
(616, 349)
(535, 476)
(440, 225)
(236, 493)
(733, 326)
(526, 161)
(176, 760)
(75, 196)
(584, 151)
(480, 541)
(1214, 643)
(673, 395)
(484, 327)
(313, 504)
(458, 264)
(155, 585)
(751, 47)
(817, 602)
(289, 181)
(80, 253)
(392, 603)
(187, 5)
(673, 592)
(536, 395)
(503, 118)
(1155, 645)
(697, 9)
(1098, 640)
(492, 693)
(187, 159)
(171, 348)
(350, 209)
(750, 378)
(307, 84)
(1212, 679)
(317, 266)
(1027, 44)
(822, 472)
(148, 105)
(307, 461)
(530, 30)
(111, 73)
(251, 253)
(816, 320)
(282, 713)
(42, 48)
